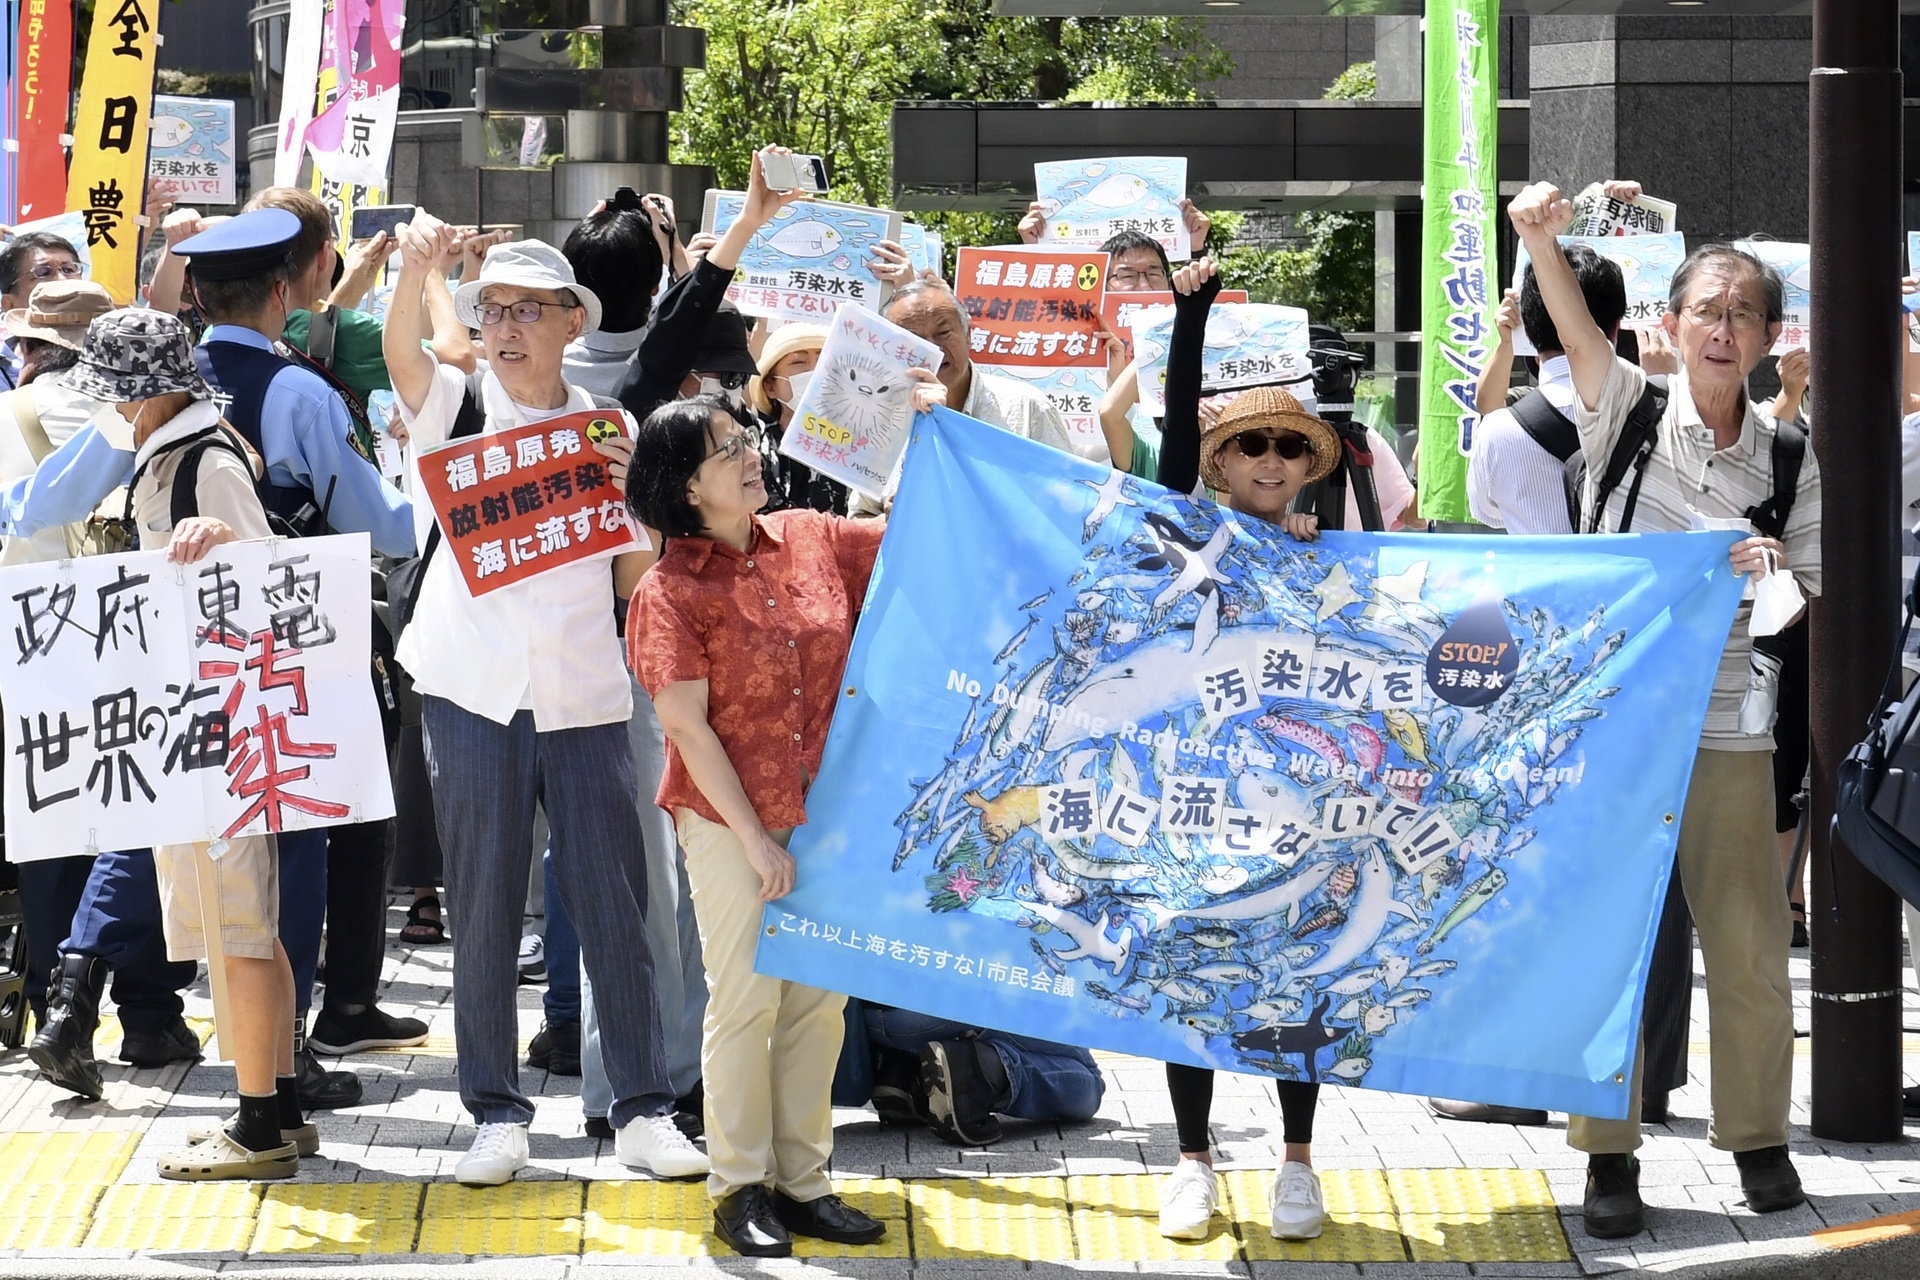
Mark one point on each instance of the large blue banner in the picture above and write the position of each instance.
(1120, 769)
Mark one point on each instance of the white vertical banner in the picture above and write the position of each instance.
(299, 80)
(151, 703)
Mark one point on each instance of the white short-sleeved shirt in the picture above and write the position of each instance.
(1512, 482)
(547, 644)
(1686, 473)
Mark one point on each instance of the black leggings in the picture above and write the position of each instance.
(1191, 1089)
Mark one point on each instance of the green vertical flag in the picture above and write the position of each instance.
(1457, 258)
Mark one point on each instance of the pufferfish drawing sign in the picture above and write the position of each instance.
(1124, 770)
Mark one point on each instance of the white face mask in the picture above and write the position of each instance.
(114, 427)
(797, 386)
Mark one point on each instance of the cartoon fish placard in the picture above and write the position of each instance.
(191, 154)
(1125, 770)
(808, 260)
(1794, 262)
(1248, 344)
(1646, 263)
(1088, 201)
(1076, 394)
(851, 422)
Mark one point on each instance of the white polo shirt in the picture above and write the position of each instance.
(547, 644)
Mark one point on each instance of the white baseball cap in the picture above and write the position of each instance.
(531, 264)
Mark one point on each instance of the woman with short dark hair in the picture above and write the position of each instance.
(741, 633)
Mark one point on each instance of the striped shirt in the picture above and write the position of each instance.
(1686, 474)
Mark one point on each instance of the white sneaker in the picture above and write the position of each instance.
(655, 1143)
(1298, 1209)
(533, 958)
(498, 1152)
(1187, 1200)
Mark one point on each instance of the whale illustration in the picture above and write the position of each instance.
(1117, 192)
(1285, 896)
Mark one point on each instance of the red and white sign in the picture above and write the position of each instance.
(1033, 306)
(514, 504)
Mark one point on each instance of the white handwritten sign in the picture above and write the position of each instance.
(851, 422)
(1248, 344)
(1088, 201)
(152, 703)
(809, 258)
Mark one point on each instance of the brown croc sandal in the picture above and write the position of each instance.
(305, 1139)
(219, 1158)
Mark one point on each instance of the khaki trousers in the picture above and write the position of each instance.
(770, 1047)
(1730, 869)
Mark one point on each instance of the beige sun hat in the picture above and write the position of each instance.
(59, 311)
(783, 342)
(1267, 407)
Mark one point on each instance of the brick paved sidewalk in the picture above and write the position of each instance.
(1407, 1194)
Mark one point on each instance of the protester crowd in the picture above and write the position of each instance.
(633, 737)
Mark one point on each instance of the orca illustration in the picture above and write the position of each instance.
(1304, 1038)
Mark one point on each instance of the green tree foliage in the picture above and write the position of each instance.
(1331, 275)
(821, 76)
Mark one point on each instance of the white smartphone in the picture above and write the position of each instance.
(795, 172)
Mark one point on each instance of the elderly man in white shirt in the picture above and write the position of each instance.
(526, 699)
(1514, 481)
(928, 309)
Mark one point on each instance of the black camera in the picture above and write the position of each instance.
(1336, 370)
(626, 199)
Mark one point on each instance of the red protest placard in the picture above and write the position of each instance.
(1120, 308)
(1033, 306)
(513, 504)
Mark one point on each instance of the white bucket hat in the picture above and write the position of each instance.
(531, 264)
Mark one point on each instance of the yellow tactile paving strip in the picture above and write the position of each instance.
(62, 1195)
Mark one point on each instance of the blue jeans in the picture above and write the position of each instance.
(303, 907)
(680, 980)
(1049, 1081)
(486, 779)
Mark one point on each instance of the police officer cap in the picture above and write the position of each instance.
(249, 245)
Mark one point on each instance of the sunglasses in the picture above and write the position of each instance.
(1288, 444)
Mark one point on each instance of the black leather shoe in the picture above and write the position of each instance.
(1910, 1102)
(556, 1048)
(828, 1218)
(63, 1046)
(1613, 1209)
(962, 1081)
(170, 1044)
(690, 1112)
(1485, 1112)
(323, 1090)
(1653, 1107)
(746, 1222)
(1769, 1179)
(600, 1127)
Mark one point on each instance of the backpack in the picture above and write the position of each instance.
(184, 500)
(404, 580)
(1876, 811)
(1633, 449)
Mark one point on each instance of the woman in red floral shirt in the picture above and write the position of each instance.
(741, 633)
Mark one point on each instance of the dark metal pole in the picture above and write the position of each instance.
(1854, 215)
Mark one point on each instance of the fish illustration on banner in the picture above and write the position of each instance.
(1089, 201)
(1120, 309)
(1248, 344)
(192, 158)
(1646, 263)
(851, 422)
(1794, 262)
(1125, 770)
(810, 257)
